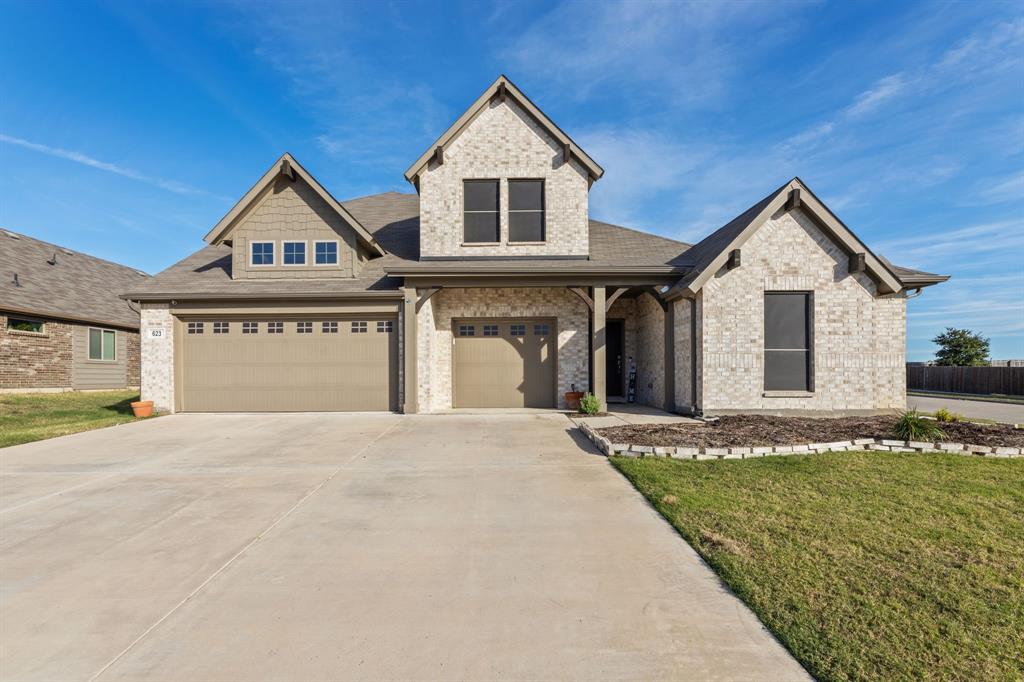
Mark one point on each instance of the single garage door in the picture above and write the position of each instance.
(504, 363)
(288, 365)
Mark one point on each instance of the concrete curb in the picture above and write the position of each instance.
(704, 453)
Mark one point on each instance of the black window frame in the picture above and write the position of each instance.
(788, 347)
(514, 211)
(467, 238)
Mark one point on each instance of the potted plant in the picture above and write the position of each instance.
(143, 408)
(573, 397)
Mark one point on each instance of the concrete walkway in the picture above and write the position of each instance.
(976, 409)
(623, 414)
(320, 546)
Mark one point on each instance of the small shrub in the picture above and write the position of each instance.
(912, 426)
(945, 416)
(589, 404)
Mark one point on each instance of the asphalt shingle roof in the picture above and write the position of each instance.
(61, 283)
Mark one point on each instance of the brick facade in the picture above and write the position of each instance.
(30, 361)
(434, 340)
(504, 142)
(157, 373)
(858, 338)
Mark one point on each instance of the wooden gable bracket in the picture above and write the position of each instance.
(734, 260)
(793, 202)
(425, 296)
(614, 297)
(566, 153)
(858, 262)
(439, 155)
(502, 92)
(656, 295)
(287, 170)
(584, 296)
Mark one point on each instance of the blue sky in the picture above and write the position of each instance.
(127, 129)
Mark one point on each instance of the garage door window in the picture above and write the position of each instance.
(304, 327)
(358, 327)
(330, 328)
(250, 327)
(467, 330)
(384, 326)
(518, 329)
(221, 327)
(275, 327)
(541, 330)
(195, 327)
(490, 330)
(101, 345)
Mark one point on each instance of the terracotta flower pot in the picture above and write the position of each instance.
(143, 408)
(572, 399)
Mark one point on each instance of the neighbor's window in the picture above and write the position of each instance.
(275, 327)
(23, 325)
(490, 330)
(101, 344)
(384, 326)
(195, 327)
(541, 330)
(787, 341)
(517, 329)
(262, 253)
(467, 330)
(295, 253)
(250, 327)
(326, 253)
(480, 206)
(221, 327)
(304, 327)
(330, 328)
(526, 210)
(358, 327)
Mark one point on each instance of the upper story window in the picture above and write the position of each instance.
(480, 211)
(526, 210)
(294, 253)
(262, 253)
(102, 344)
(326, 253)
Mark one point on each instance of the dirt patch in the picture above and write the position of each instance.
(757, 430)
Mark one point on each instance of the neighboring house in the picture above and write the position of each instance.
(63, 325)
(492, 287)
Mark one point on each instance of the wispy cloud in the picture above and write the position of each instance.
(85, 160)
(884, 90)
(1008, 189)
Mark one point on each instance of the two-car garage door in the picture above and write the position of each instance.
(263, 364)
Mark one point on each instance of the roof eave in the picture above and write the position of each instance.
(56, 315)
(202, 296)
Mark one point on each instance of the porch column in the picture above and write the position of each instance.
(670, 357)
(597, 364)
(409, 325)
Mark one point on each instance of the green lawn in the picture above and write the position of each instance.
(25, 417)
(865, 565)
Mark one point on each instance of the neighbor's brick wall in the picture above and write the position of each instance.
(504, 142)
(434, 349)
(157, 373)
(858, 341)
(30, 360)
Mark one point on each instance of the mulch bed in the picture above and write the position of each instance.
(756, 430)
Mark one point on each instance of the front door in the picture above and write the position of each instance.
(615, 362)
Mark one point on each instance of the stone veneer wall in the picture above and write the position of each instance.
(134, 358)
(35, 361)
(504, 142)
(650, 352)
(434, 349)
(683, 354)
(157, 371)
(858, 338)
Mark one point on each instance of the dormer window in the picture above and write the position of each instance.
(326, 253)
(480, 212)
(526, 210)
(294, 253)
(262, 253)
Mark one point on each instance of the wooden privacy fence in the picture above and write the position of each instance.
(976, 380)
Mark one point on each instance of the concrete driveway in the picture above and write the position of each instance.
(316, 546)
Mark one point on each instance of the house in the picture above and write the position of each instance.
(63, 325)
(492, 287)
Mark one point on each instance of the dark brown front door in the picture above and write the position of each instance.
(614, 359)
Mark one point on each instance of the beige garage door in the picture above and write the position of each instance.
(504, 363)
(288, 365)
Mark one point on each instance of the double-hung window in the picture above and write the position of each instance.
(480, 212)
(325, 253)
(787, 341)
(526, 210)
(262, 253)
(294, 253)
(102, 345)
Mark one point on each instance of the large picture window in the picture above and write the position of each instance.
(787, 341)
(526, 210)
(102, 345)
(480, 211)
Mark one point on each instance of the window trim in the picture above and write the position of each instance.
(496, 211)
(808, 390)
(305, 253)
(88, 343)
(273, 253)
(543, 212)
(337, 253)
(26, 318)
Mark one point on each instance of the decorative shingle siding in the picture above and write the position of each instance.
(158, 356)
(503, 142)
(293, 211)
(858, 338)
(435, 334)
(36, 361)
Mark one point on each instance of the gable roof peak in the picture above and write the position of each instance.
(503, 88)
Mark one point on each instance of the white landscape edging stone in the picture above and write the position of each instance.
(706, 453)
